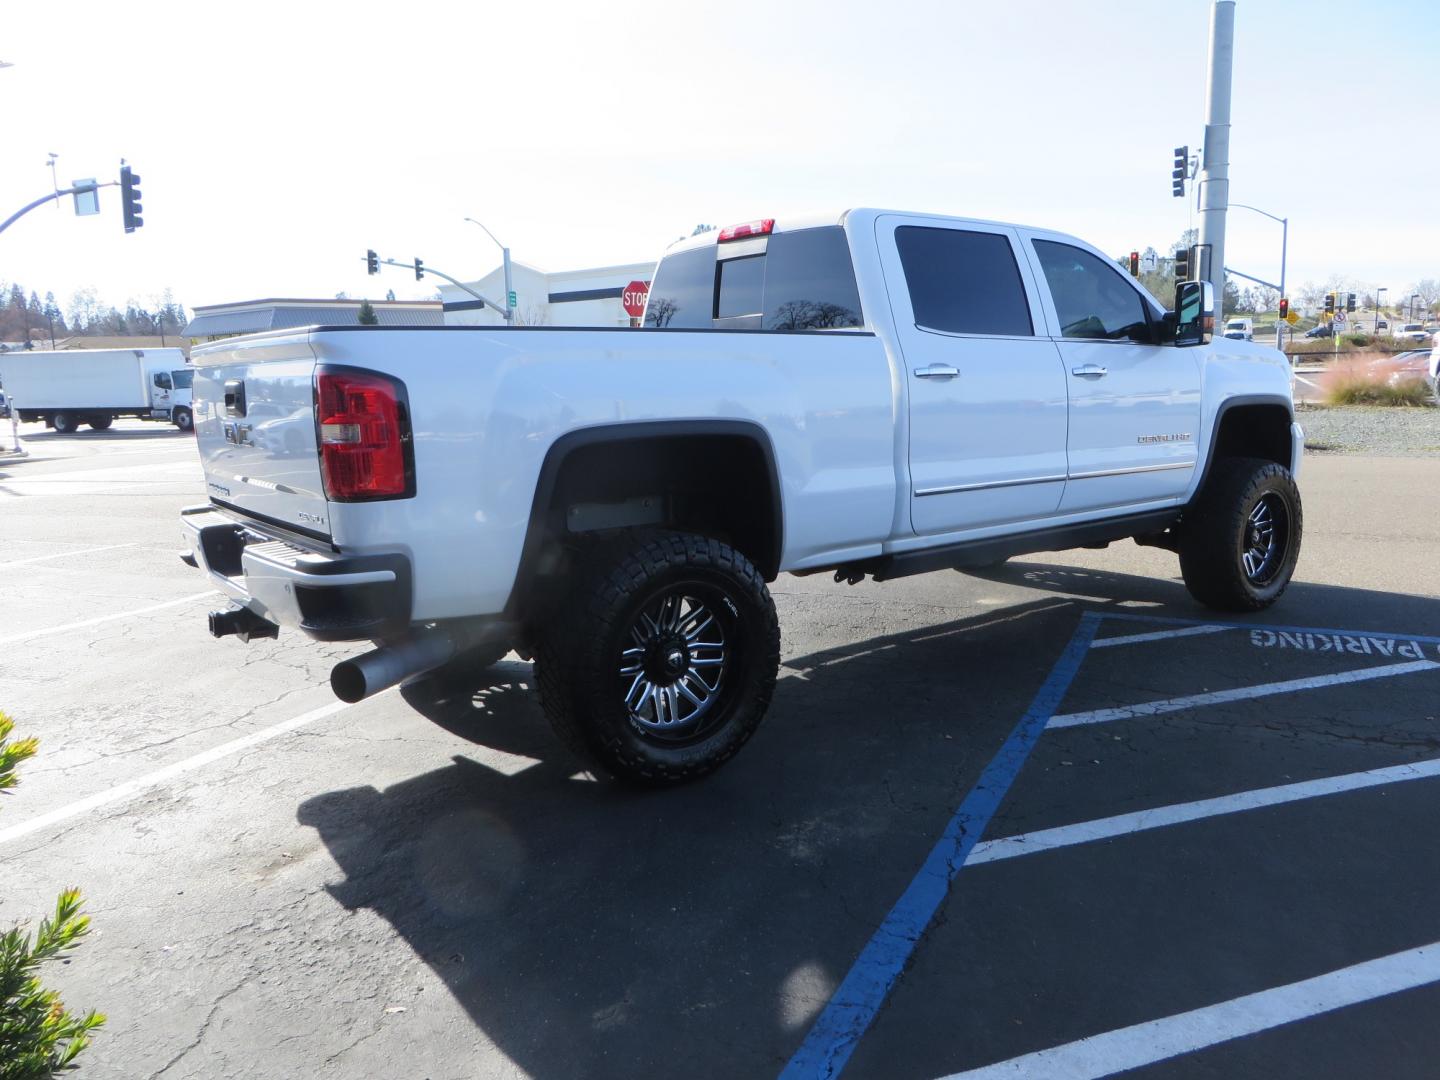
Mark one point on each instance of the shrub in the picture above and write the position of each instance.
(38, 1037)
(1360, 388)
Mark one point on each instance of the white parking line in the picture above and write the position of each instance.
(1158, 635)
(1307, 382)
(1084, 832)
(159, 776)
(1217, 697)
(31, 635)
(1184, 1033)
(61, 555)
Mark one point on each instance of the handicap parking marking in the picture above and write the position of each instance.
(846, 1017)
(1159, 1040)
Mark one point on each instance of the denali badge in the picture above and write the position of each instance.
(1183, 436)
(314, 519)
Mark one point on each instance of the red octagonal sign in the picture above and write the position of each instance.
(633, 298)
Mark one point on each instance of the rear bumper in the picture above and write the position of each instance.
(331, 597)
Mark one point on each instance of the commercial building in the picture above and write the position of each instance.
(216, 321)
(556, 298)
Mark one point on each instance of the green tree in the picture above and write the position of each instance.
(367, 314)
(38, 1036)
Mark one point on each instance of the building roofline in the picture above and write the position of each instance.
(313, 302)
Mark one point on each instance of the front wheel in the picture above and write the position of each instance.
(664, 666)
(182, 419)
(1241, 540)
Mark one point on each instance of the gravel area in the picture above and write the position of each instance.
(1382, 430)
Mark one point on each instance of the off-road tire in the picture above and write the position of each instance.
(101, 423)
(66, 423)
(1214, 535)
(578, 656)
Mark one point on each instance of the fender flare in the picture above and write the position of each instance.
(598, 435)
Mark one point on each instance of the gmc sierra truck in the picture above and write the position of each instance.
(870, 393)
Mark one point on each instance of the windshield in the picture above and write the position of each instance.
(183, 379)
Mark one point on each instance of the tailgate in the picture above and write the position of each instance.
(255, 427)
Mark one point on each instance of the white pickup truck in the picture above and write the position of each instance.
(868, 393)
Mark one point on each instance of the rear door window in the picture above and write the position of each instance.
(963, 282)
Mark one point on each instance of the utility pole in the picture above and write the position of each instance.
(1215, 162)
(509, 312)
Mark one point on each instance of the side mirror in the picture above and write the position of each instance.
(1194, 313)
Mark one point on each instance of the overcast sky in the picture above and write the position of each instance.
(277, 142)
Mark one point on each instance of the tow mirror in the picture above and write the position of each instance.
(1194, 313)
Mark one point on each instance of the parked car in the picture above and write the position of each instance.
(1321, 330)
(865, 394)
(1411, 331)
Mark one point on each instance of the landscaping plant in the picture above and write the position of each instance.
(38, 1036)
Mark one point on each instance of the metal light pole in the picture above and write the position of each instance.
(1284, 243)
(1215, 162)
(1378, 308)
(505, 256)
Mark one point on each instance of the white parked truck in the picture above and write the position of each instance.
(868, 394)
(70, 387)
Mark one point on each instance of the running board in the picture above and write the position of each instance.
(973, 554)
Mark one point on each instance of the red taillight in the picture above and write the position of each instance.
(763, 227)
(364, 436)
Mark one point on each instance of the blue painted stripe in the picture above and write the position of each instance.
(1125, 616)
(849, 1013)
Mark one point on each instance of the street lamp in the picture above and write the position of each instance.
(1414, 305)
(505, 257)
(1284, 241)
(1379, 308)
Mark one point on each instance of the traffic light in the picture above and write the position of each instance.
(1330, 303)
(372, 263)
(1284, 308)
(130, 198)
(1181, 171)
(1350, 302)
(419, 269)
(1134, 264)
(1182, 264)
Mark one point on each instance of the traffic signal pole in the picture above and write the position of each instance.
(453, 281)
(1215, 162)
(55, 195)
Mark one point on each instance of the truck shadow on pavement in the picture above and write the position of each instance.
(1304, 603)
(594, 930)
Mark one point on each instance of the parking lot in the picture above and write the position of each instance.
(1052, 820)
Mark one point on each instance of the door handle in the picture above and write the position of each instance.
(1090, 371)
(937, 371)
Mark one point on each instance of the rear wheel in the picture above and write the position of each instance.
(664, 666)
(1241, 540)
(101, 423)
(66, 423)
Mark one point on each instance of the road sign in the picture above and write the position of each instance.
(633, 298)
(1339, 316)
(510, 298)
(1292, 318)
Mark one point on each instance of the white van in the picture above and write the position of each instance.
(1240, 329)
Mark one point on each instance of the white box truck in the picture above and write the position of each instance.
(93, 386)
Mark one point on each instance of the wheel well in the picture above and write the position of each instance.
(712, 481)
(1254, 431)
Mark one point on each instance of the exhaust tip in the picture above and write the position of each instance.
(348, 682)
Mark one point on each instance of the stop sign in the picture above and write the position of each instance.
(633, 298)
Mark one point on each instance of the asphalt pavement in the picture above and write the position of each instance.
(1053, 820)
